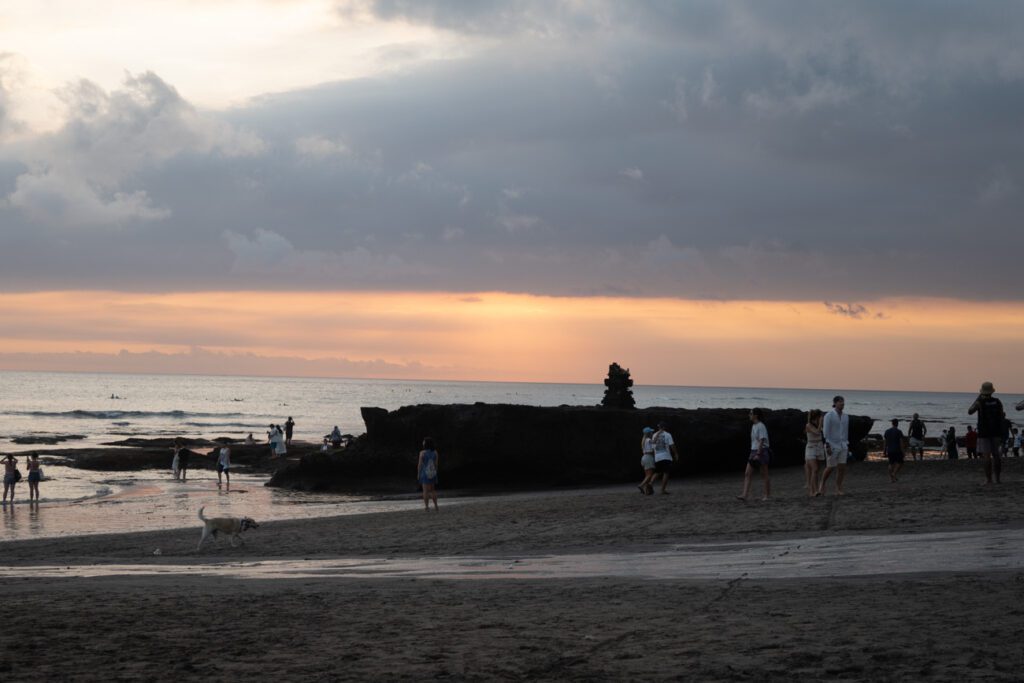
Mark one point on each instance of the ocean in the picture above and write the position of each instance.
(107, 407)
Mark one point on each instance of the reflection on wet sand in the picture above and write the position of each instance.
(821, 557)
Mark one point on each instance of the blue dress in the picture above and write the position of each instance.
(428, 468)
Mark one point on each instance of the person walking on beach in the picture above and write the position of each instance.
(426, 473)
(759, 457)
(893, 449)
(952, 451)
(1016, 443)
(647, 461)
(35, 473)
(289, 429)
(814, 453)
(11, 475)
(991, 417)
(224, 464)
(175, 463)
(836, 432)
(917, 432)
(971, 443)
(336, 437)
(664, 455)
(182, 454)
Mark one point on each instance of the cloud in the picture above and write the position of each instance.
(855, 311)
(823, 152)
(82, 174)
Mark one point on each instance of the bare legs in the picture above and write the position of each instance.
(811, 476)
(748, 475)
(840, 476)
(429, 494)
(648, 479)
(894, 469)
(993, 463)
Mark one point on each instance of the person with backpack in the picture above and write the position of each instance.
(991, 427)
(426, 473)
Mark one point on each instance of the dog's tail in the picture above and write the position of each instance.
(201, 513)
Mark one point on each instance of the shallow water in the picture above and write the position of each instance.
(75, 502)
(801, 558)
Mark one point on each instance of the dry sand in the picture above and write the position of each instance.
(932, 624)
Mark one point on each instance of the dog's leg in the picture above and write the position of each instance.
(202, 538)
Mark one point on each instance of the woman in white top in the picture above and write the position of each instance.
(814, 453)
(224, 465)
(647, 461)
(759, 457)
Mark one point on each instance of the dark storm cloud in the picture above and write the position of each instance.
(718, 150)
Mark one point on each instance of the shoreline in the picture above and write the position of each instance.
(316, 623)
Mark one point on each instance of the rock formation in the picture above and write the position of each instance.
(618, 393)
(515, 446)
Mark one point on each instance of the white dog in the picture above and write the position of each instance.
(234, 526)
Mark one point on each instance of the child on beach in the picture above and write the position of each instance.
(647, 461)
(759, 457)
(426, 473)
(35, 473)
(224, 465)
(814, 452)
(11, 475)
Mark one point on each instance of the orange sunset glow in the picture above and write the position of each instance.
(499, 336)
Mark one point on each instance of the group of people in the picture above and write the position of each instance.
(12, 475)
(182, 456)
(994, 436)
(828, 443)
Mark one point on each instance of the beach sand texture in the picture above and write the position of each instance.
(921, 622)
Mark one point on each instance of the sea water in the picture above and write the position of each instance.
(105, 408)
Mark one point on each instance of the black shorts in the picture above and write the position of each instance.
(662, 466)
(895, 458)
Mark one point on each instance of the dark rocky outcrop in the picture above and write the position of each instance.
(487, 445)
(45, 439)
(157, 454)
(618, 392)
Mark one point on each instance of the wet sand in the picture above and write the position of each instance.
(872, 614)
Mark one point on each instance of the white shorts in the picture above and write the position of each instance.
(916, 443)
(814, 453)
(647, 462)
(838, 456)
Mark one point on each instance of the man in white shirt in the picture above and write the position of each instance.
(836, 433)
(664, 455)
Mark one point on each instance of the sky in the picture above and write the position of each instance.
(763, 193)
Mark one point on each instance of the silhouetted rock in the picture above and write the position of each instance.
(513, 446)
(618, 393)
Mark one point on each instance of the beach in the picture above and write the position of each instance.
(919, 579)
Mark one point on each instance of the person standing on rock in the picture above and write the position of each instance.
(759, 457)
(814, 452)
(664, 455)
(647, 461)
(893, 449)
(917, 432)
(426, 473)
(991, 418)
(836, 432)
(289, 428)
